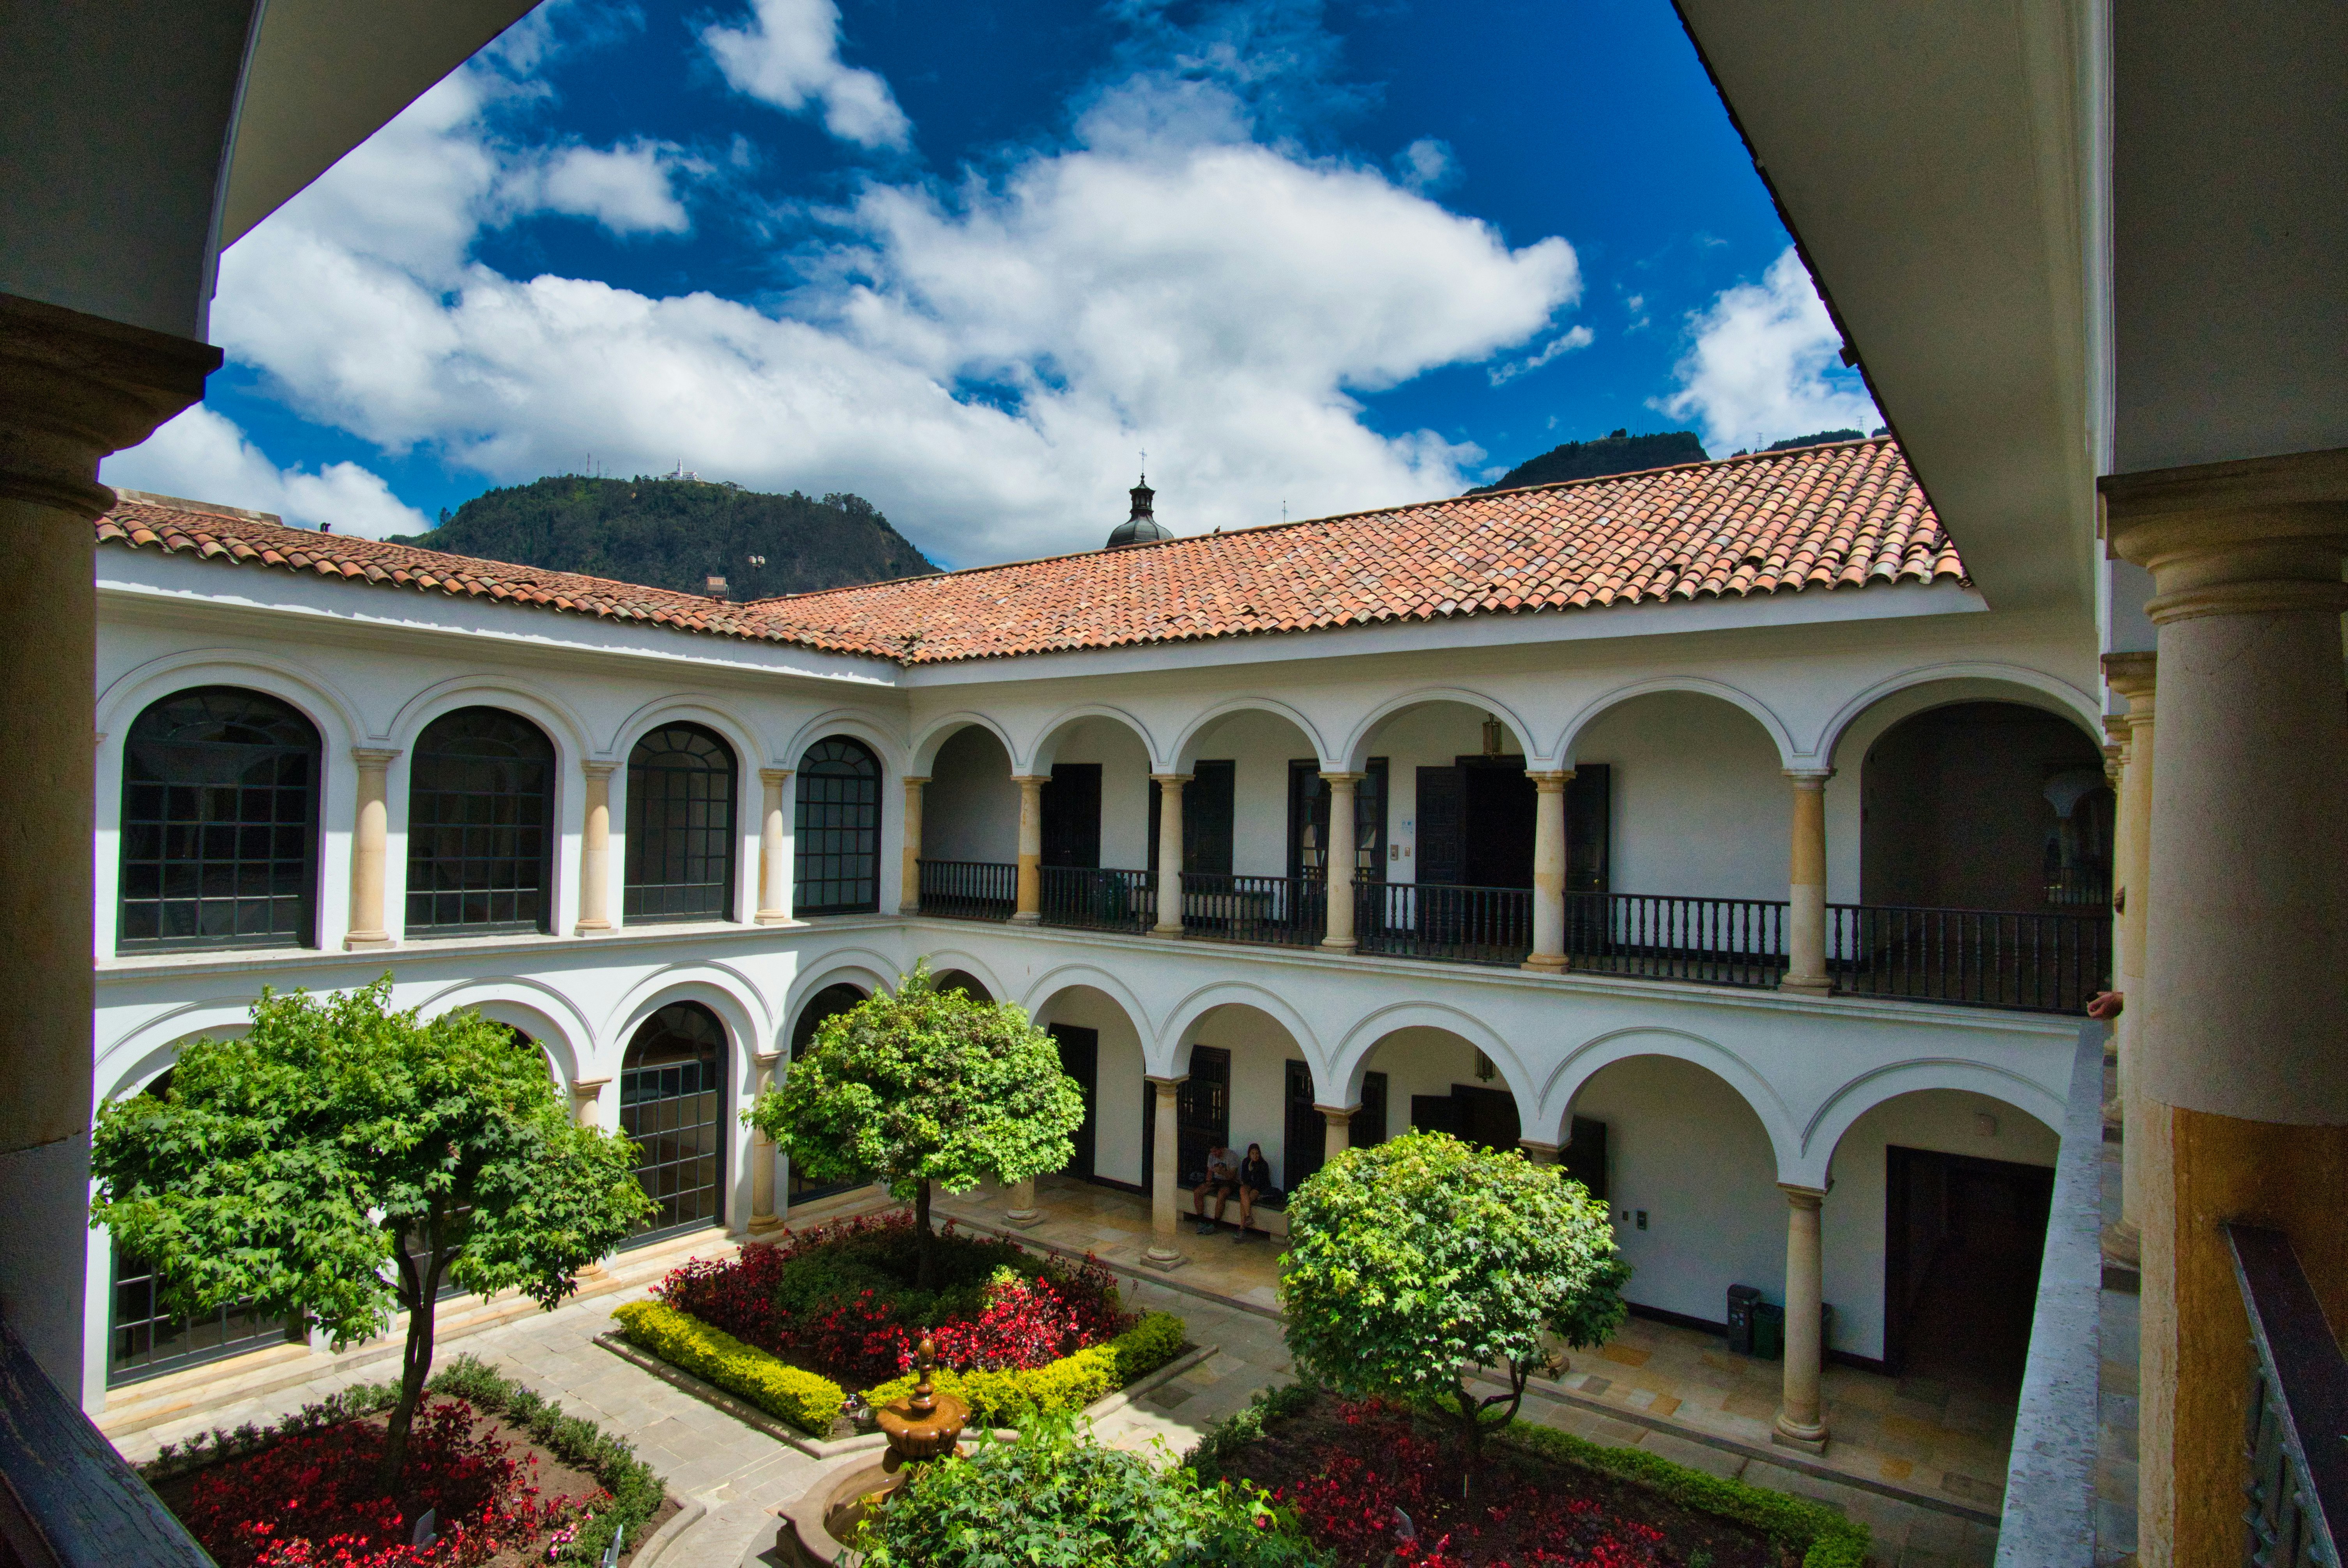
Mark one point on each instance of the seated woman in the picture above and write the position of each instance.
(1255, 1181)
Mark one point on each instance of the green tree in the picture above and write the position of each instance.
(924, 1087)
(1414, 1262)
(343, 1159)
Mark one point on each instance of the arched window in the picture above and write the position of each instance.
(480, 825)
(673, 1104)
(681, 829)
(219, 825)
(837, 830)
(144, 1340)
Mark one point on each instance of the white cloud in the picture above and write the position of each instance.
(627, 190)
(201, 455)
(1427, 164)
(981, 363)
(1565, 342)
(1764, 366)
(789, 55)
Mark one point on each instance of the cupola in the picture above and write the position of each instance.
(1142, 528)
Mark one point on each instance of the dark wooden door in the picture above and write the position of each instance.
(1589, 826)
(1205, 818)
(1442, 824)
(1585, 1157)
(1500, 813)
(1435, 1113)
(1487, 1116)
(1071, 814)
(1080, 1059)
(1370, 1120)
(1203, 1117)
(1307, 1137)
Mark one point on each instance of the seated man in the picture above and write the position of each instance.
(1255, 1181)
(1222, 1180)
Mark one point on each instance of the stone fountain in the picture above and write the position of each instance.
(924, 1425)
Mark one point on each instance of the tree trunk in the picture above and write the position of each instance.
(415, 1360)
(925, 1250)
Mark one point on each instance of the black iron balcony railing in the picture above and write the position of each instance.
(1283, 911)
(2031, 963)
(1444, 920)
(969, 890)
(2297, 1437)
(1099, 900)
(67, 1499)
(1716, 941)
(2080, 887)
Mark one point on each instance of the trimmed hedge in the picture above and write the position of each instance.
(1069, 1384)
(808, 1402)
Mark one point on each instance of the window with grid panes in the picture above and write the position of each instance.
(681, 827)
(836, 850)
(673, 1104)
(480, 825)
(220, 823)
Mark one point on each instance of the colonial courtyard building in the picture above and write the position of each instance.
(1704, 829)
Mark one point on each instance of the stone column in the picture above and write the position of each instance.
(762, 1149)
(1806, 921)
(584, 1093)
(1023, 1211)
(774, 889)
(1801, 1418)
(2133, 677)
(370, 836)
(2242, 1082)
(1338, 866)
(1548, 872)
(909, 890)
(1030, 907)
(595, 852)
(1169, 853)
(73, 387)
(1163, 1192)
(1337, 1130)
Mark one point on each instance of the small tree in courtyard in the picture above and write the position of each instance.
(342, 1160)
(1412, 1262)
(924, 1087)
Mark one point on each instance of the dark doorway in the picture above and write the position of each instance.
(1071, 814)
(1961, 1245)
(1499, 800)
(1470, 1114)
(1583, 1158)
(1080, 1059)
(965, 982)
(1589, 828)
(1205, 818)
(1308, 820)
(1202, 1116)
(1369, 1123)
(1305, 1137)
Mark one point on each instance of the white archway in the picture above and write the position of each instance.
(1361, 1042)
(1760, 711)
(1040, 755)
(1169, 1055)
(1824, 1130)
(1357, 745)
(2008, 682)
(1186, 745)
(1595, 1055)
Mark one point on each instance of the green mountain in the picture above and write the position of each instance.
(678, 533)
(1621, 452)
(1820, 439)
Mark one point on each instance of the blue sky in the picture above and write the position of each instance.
(968, 260)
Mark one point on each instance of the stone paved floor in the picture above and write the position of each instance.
(743, 1476)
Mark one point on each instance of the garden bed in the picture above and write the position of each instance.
(509, 1477)
(793, 1326)
(1542, 1497)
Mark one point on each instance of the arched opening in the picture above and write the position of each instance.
(681, 834)
(1096, 871)
(146, 1340)
(1933, 1238)
(1431, 1080)
(480, 825)
(1986, 806)
(970, 829)
(1250, 866)
(1100, 1048)
(827, 1003)
(220, 823)
(673, 1104)
(965, 982)
(1246, 1073)
(837, 853)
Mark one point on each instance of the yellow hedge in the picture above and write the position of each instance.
(806, 1400)
(1000, 1399)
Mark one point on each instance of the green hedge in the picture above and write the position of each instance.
(1826, 1538)
(806, 1400)
(1005, 1398)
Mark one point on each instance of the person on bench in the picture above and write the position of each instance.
(1222, 1182)
(1255, 1182)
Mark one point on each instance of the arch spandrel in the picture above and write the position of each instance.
(1780, 736)
(1823, 1133)
(1586, 1061)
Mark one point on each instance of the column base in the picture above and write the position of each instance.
(591, 929)
(1808, 985)
(1544, 964)
(778, 918)
(1804, 1440)
(1025, 1219)
(1347, 946)
(1167, 1261)
(358, 939)
(1027, 918)
(1166, 930)
(765, 1222)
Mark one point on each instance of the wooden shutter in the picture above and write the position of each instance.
(1589, 825)
(1080, 1059)
(1442, 827)
(1207, 818)
(1584, 1158)
(1072, 810)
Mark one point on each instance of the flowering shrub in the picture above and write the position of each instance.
(1026, 1325)
(311, 1501)
(1352, 1509)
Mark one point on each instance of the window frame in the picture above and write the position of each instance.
(419, 860)
(804, 858)
(651, 784)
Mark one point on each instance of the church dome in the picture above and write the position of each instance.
(1142, 528)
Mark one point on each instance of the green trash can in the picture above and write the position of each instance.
(1768, 1331)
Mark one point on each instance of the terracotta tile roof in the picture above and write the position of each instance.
(1819, 518)
(1843, 515)
(253, 538)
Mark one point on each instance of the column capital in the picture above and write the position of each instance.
(1174, 780)
(74, 387)
(1342, 778)
(2131, 674)
(599, 767)
(1550, 781)
(2260, 537)
(1803, 1197)
(1024, 781)
(1339, 1112)
(1164, 1082)
(587, 1088)
(1809, 778)
(1539, 1152)
(374, 756)
(915, 779)
(766, 1059)
(775, 775)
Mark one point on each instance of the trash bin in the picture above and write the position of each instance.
(1768, 1331)
(1742, 1299)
